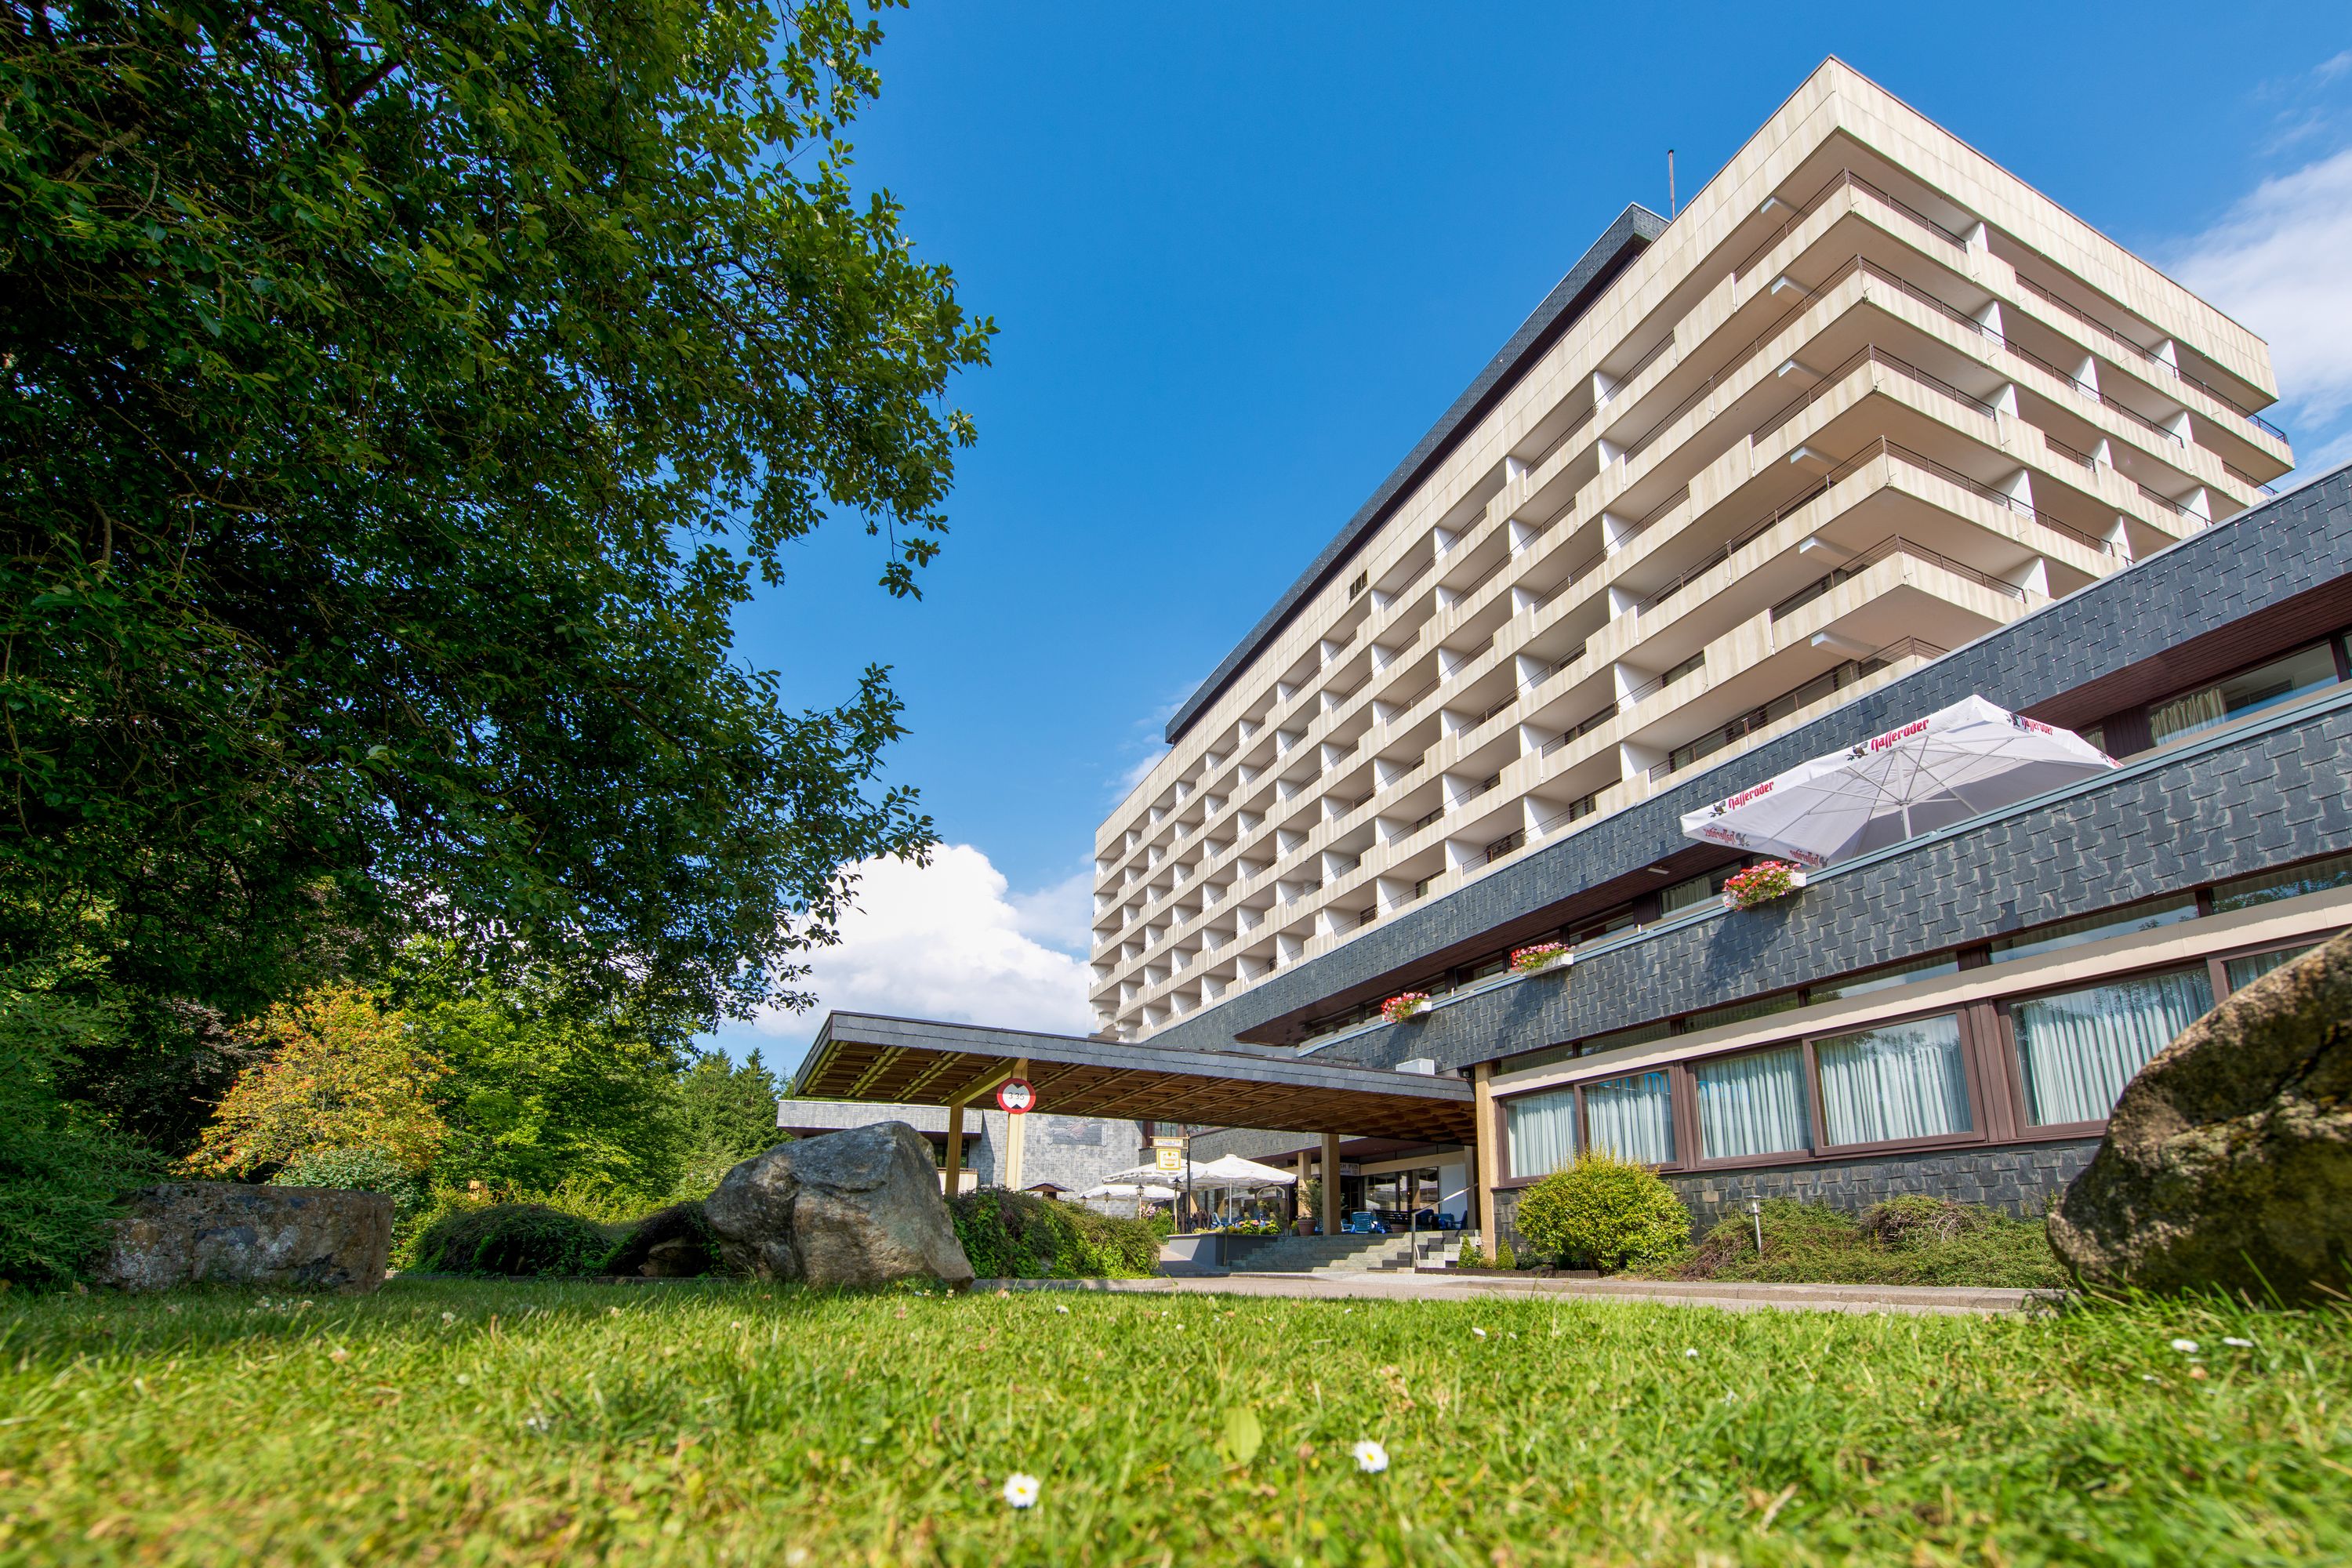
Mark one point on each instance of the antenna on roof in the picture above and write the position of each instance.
(1670, 185)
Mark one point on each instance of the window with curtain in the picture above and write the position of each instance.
(1540, 1131)
(2245, 971)
(1632, 1117)
(2080, 1048)
(1752, 1104)
(1899, 1080)
(2251, 692)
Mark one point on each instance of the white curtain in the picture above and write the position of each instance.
(1752, 1104)
(2187, 715)
(1903, 1081)
(2245, 971)
(1632, 1117)
(1541, 1131)
(2081, 1049)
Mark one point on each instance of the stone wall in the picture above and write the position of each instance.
(2017, 1179)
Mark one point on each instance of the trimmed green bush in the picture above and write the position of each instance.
(61, 1166)
(513, 1240)
(679, 1222)
(1604, 1213)
(1504, 1257)
(361, 1170)
(1019, 1236)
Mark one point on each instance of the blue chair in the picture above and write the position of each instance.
(1366, 1223)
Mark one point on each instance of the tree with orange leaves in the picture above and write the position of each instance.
(343, 1073)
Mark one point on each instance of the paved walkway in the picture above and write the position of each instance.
(1438, 1285)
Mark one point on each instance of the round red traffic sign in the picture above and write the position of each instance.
(1017, 1095)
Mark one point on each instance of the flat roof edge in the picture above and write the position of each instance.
(1633, 231)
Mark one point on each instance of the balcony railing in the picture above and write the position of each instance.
(2147, 358)
(1788, 702)
(1846, 179)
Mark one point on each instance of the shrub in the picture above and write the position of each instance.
(513, 1239)
(1504, 1257)
(1903, 1241)
(1604, 1213)
(1018, 1235)
(341, 1073)
(61, 1166)
(679, 1222)
(361, 1170)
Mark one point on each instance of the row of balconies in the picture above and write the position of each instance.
(1523, 531)
(1534, 672)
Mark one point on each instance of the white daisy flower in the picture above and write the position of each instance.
(1063, 1311)
(2234, 1343)
(1370, 1457)
(2186, 1347)
(1021, 1490)
(448, 1317)
(1480, 1332)
(1690, 1354)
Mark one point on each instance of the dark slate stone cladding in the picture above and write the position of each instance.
(1635, 228)
(2279, 797)
(2216, 815)
(2018, 1179)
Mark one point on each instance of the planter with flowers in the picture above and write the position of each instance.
(1542, 956)
(1762, 883)
(1411, 1004)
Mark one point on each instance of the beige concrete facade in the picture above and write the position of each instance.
(1867, 397)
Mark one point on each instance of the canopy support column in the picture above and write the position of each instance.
(951, 1173)
(1015, 1136)
(1331, 1183)
(1483, 1152)
(1298, 1210)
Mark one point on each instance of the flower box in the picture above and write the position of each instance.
(1542, 956)
(1397, 1009)
(1762, 883)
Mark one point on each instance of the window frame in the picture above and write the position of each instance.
(2028, 1131)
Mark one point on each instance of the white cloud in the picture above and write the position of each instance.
(1060, 916)
(2276, 261)
(942, 941)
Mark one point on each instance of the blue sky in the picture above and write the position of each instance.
(1242, 259)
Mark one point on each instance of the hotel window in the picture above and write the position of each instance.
(2318, 877)
(1894, 1082)
(2249, 692)
(1540, 1129)
(1739, 1012)
(2243, 972)
(1752, 1104)
(2079, 1048)
(1633, 1118)
(2094, 928)
(1893, 974)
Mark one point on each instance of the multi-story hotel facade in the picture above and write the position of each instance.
(1869, 426)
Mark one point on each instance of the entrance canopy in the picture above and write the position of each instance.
(908, 1061)
(1954, 763)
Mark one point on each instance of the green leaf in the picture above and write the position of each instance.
(1244, 1435)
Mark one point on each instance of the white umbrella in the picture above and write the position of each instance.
(1233, 1171)
(1129, 1190)
(1954, 763)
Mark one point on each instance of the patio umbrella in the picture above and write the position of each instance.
(1129, 1190)
(1952, 764)
(1233, 1171)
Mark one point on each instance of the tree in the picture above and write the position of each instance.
(341, 1073)
(62, 1166)
(726, 1114)
(548, 1089)
(396, 400)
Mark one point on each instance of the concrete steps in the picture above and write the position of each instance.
(1335, 1254)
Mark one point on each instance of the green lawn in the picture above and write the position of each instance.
(453, 1421)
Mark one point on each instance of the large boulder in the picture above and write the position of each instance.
(2228, 1161)
(295, 1238)
(859, 1208)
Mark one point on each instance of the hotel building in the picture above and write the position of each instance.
(1871, 426)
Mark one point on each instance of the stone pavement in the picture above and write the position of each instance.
(1438, 1285)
